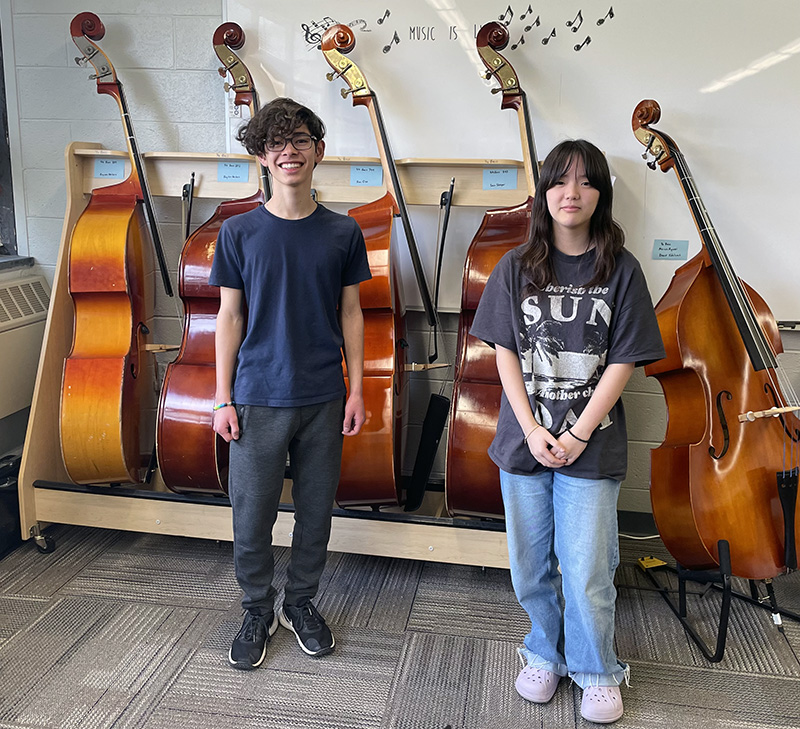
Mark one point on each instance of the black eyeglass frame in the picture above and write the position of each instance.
(271, 148)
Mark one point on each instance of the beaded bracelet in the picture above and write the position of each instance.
(576, 437)
(223, 405)
(530, 432)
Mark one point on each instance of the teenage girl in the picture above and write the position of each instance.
(570, 316)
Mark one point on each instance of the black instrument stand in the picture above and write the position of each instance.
(720, 580)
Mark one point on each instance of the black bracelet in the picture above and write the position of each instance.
(576, 437)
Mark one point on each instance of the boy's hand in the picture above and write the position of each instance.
(226, 423)
(354, 415)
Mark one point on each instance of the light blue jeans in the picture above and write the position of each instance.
(553, 519)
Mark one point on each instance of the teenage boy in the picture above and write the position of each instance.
(288, 274)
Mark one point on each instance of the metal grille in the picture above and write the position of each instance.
(22, 301)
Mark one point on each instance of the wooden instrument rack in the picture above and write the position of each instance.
(45, 493)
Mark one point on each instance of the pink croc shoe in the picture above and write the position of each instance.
(536, 684)
(601, 704)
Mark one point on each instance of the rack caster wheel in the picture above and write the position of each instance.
(45, 544)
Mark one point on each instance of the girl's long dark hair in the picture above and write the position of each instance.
(606, 235)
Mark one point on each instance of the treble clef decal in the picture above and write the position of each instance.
(311, 36)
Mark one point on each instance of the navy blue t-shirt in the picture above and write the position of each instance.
(292, 273)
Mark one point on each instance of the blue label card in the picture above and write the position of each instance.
(109, 169)
(670, 250)
(366, 175)
(499, 178)
(229, 171)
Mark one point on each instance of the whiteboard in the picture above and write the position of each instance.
(725, 72)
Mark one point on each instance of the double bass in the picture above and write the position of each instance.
(108, 372)
(728, 466)
(191, 456)
(371, 464)
(472, 482)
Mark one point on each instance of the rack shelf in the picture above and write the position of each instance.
(422, 179)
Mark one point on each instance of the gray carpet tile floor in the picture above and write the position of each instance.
(131, 631)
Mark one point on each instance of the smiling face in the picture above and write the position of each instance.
(291, 167)
(572, 200)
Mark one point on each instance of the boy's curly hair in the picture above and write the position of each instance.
(277, 120)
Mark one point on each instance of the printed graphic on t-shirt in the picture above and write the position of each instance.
(563, 347)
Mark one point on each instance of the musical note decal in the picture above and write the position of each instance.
(529, 11)
(311, 36)
(607, 16)
(520, 42)
(314, 29)
(510, 13)
(535, 24)
(586, 42)
(385, 15)
(361, 23)
(395, 39)
(545, 41)
(576, 22)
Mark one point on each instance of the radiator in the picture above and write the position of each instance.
(23, 313)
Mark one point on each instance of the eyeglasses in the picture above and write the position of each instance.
(301, 142)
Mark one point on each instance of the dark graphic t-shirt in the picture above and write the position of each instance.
(292, 273)
(565, 337)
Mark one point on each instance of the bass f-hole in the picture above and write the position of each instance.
(723, 422)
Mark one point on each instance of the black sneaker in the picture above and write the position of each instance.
(249, 647)
(308, 626)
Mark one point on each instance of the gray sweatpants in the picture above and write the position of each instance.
(312, 436)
